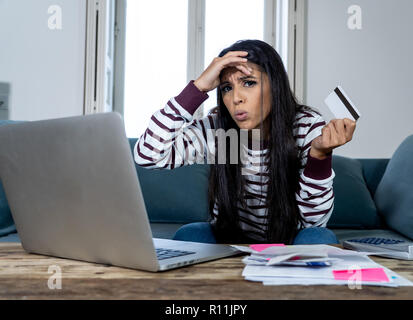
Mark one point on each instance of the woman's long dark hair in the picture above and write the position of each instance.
(226, 183)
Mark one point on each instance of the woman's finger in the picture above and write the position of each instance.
(237, 62)
(333, 134)
(244, 69)
(232, 61)
(326, 134)
(341, 132)
(236, 53)
(350, 127)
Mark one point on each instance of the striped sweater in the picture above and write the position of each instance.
(174, 139)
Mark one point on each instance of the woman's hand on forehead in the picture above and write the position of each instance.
(210, 78)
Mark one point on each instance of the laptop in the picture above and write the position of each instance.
(73, 191)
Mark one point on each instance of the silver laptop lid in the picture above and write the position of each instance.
(73, 190)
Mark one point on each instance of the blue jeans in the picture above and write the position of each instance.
(202, 232)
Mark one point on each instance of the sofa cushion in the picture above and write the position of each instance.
(353, 204)
(6, 221)
(373, 170)
(394, 195)
(176, 196)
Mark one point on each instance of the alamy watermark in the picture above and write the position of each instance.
(214, 150)
(354, 21)
(55, 280)
(355, 279)
(54, 21)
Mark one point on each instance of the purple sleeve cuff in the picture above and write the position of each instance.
(318, 169)
(191, 97)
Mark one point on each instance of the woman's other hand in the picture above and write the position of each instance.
(336, 133)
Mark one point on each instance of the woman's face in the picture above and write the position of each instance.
(242, 93)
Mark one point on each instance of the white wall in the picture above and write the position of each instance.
(373, 65)
(45, 68)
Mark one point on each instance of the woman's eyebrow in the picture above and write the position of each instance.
(239, 79)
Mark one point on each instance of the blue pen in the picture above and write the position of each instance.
(318, 264)
(308, 264)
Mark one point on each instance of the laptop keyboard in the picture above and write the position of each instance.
(162, 253)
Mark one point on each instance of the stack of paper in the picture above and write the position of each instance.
(275, 264)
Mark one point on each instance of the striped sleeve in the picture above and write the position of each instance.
(173, 138)
(315, 196)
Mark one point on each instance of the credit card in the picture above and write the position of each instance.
(341, 105)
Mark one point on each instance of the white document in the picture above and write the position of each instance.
(345, 262)
(317, 282)
(304, 260)
(396, 281)
(315, 249)
(256, 268)
(319, 250)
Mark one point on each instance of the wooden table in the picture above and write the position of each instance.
(25, 276)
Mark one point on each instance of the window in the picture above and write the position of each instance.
(155, 58)
(226, 22)
(161, 55)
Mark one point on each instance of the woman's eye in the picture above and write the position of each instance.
(223, 89)
(249, 83)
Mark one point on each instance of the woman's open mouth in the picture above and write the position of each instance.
(241, 116)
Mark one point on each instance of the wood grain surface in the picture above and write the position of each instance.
(25, 276)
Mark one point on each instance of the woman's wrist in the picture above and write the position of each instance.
(318, 154)
(191, 98)
(199, 86)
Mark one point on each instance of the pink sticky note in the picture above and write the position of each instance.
(371, 274)
(260, 247)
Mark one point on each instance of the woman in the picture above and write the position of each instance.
(286, 195)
